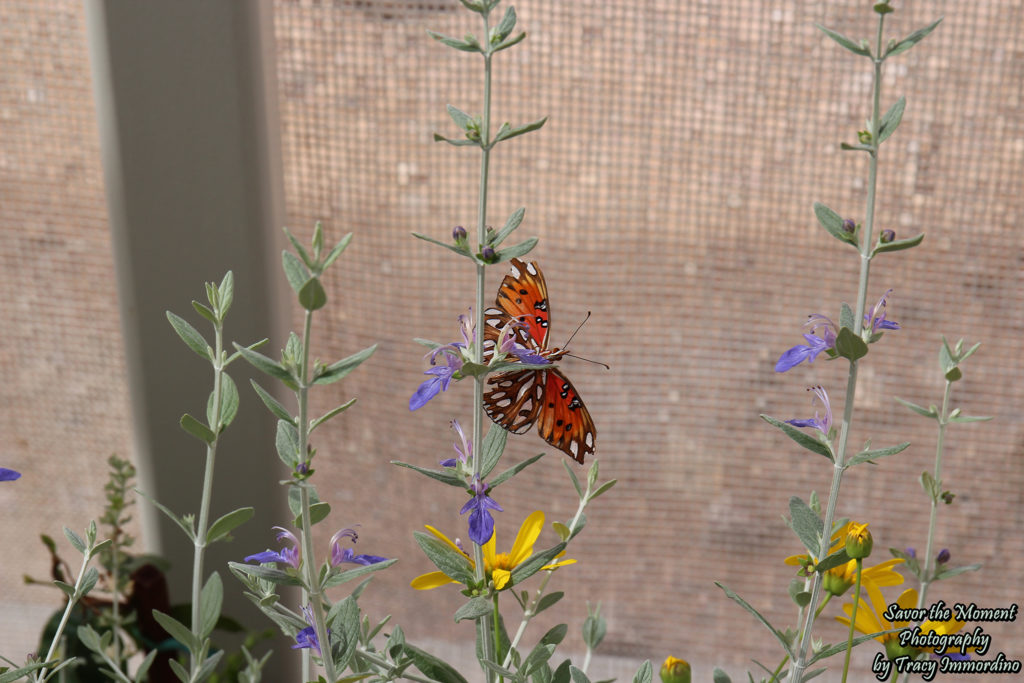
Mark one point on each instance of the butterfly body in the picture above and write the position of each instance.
(543, 396)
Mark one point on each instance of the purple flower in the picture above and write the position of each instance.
(943, 556)
(291, 556)
(8, 475)
(815, 344)
(507, 344)
(822, 424)
(464, 453)
(441, 375)
(875, 318)
(910, 552)
(339, 554)
(306, 638)
(481, 523)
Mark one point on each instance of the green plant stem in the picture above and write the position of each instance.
(86, 557)
(386, 667)
(926, 570)
(800, 663)
(314, 592)
(853, 619)
(204, 504)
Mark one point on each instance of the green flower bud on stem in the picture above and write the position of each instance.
(859, 541)
(675, 670)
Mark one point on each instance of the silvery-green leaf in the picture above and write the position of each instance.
(577, 675)
(267, 572)
(461, 250)
(330, 413)
(287, 442)
(533, 565)
(841, 647)
(506, 132)
(89, 581)
(913, 39)
(511, 224)
(197, 429)
(834, 560)
(856, 48)
(177, 630)
(228, 402)
(343, 621)
(312, 296)
(806, 525)
(871, 455)
(187, 528)
(899, 245)
(521, 249)
(297, 245)
(433, 668)
(891, 119)
(514, 470)
(645, 674)
(295, 271)
(548, 600)
(779, 636)
(204, 311)
(801, 438)
(602, 488)
(336, 251)
(226, 293)
(445, 476)
(833, 223)
(317, 513)
(458, 44)
(209, 665)
(180, 671)
(461, 118)
(211, 598)
(492, 448)
(510, 42)
(719, 676)
(336, 579)
(338, 370)
(272, 404)
(920, 410)
(448, 560)
(140, 673)
(476, 607)
(457, 143)
(505, 26)
(846, 317)
(228, 523)
(573, 479)
(264, 364)
(75, 540)
(849, 345)
(970, 418)
(22, 672)
(189, 335)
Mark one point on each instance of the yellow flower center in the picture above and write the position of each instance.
(501, 561)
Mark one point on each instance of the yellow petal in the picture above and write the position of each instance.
(431, 580)
(445, 539)
(556, 565)
(527, 536)
(501, 578)
(490, 557)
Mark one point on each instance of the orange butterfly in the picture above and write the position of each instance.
(545, 396)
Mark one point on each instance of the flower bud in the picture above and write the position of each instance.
(487, 254)
(859, 541)
(887, 236)
(849, 226)
(675, 670)
(835, 584)
(943, 556)
(947, 497)
(459, 233)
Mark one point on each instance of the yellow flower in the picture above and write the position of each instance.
(839, 579)
(859, 541)
(871, 618)
(497, 566)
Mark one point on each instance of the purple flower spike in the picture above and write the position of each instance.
(339, 554)
(822, 424)
(292, 556)
(815, 344)
(8, 475)
(306, 638)
(875, 318)
(441, 376)
(481, 523)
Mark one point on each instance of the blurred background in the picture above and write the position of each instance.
(672, 189)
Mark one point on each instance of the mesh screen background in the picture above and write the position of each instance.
(672, 190)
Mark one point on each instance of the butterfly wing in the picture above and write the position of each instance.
(563, 421)
(516, 399)
(522, 296)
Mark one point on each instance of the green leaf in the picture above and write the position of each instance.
(228, 402)
(461, 250)
(68, 589)
(506, 133)
(953, 571)
(22, 672)
(343, 620)
(443, 476)
(312, 296)
(177, 630)
(226, 293)
(457, 143)
(548, 601)
(461, 118)
(272, 404)
(932, 487)
(295, 271)
(913, 39)
(350, 574)
(805, 440)
(833, 223)
(511, 224)
(75, 540)
(433, 668)
(197, 429)
(445, 558)
(228, 523)
(336, 252)
(719, 676)
(849, 345)
(209, 665)
(88, 581)
(602, 488)
(331, 413)
(834, 560)
(211, 599)
(301, 250)
(891, 119)
(970, 418)
(574, 480)
(645, 674)
(464, 45)
(514, 470)
(476, 607)
(505, 26)
(779, 636)
(920, 410)
(317, 513)
(492, 448)
(841, 647)
(190, 335)
(180, 671)
(187, 528)
(899, 245)
(335, 371)
(204, 311)
(521, 249)
(510, 42)
(534, 564)
(806, 525)
(857, 49)
(268, 573)
(265, 365)
(871, 455)
(846, 317)
(578, 675)
(287, 443)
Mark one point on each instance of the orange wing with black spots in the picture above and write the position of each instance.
(518, 399)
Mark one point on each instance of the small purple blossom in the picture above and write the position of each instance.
(822, 423)
(8, 475)
(339, 554)
(306, 638)
(910, 552)
(464, 452)
(815, 344)
(441, 375)
(481, 523)
(875, 318)
(507, 344)
(292, 556)
(943, 556)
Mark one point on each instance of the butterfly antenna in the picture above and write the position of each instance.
(572, 355)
